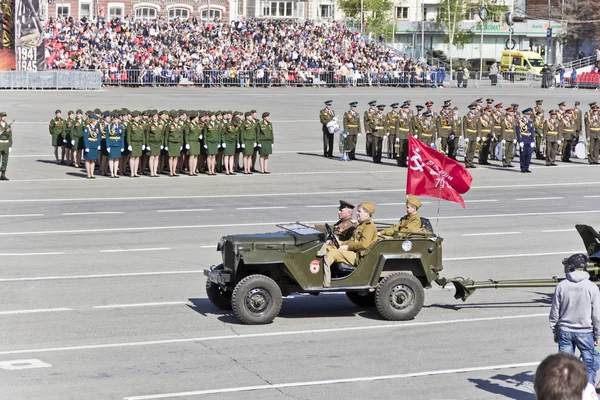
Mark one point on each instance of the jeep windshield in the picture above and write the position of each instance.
(300, 229)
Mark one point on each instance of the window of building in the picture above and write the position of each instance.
(213, 14)
(282, 9)
(85, 10)
(182, 13)
(115, 12)
(401, 12)
(326, 11)
(64, 10)
(145, 12)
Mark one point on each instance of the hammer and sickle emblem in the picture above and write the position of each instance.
(416, 162)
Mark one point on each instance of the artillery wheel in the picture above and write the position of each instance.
(219, 297)
(399, 297)
(362, 299)
(256, 300)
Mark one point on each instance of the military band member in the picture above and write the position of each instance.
(367, 117)
(551, 133)
(91, 143)
(566, 131)
(76, 133)
(592, 125)
(377, 125)
(562, 108)
(471, 127)
(444, 129)
(429, 107)
(526, 138)
(578, 118)
(497, 118)
(427, 134)
(538, 124)
(266, 140)
(6, 143)
(417, 122)
(326, 116)
(454, 134)
(115, 136)
(538, 108)
(154, 142)
(485, 135)
(403, 126)
(489, 102)
(352, 126)
(57, 128)
(135, 133)
(508, 138)
(515, 107)
(391, 120)
(479, 105)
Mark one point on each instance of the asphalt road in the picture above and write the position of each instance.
(102, 292)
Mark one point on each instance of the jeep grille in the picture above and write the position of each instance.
(229, 255)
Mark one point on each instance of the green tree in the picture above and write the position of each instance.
(376, 14)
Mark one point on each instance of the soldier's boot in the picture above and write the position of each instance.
(3, 176)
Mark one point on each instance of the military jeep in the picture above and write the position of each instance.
(259, 269)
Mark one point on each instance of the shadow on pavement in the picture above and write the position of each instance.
(514, 392)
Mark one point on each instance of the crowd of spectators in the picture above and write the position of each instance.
(245, 52)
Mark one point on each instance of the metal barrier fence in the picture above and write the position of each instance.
(272, 78)
(58, 79)
(505, 79)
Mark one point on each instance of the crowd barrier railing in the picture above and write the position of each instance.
(51, 79)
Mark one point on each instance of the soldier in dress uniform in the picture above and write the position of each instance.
(551, 130)
(489, 102)
(403, 126)
(135, 134)
(538, 123)
(76, 133)
(416, 122)
(578, 118)
(68, 146)
(115, 142)
(515, 107)
(456, 132)
(485, 135)
(391, 120)
(497, 117)
(429, 107)
(444, 128)
(377, 125)
(471, 132)
(91, 143)
(266, 141)
(229, 137)
(562, 108)
(103, 154)
(526, 139)
(479, 105)
(352, 126)
(592, 128)
(248, 137)
(325, 116)
(538, 108)
(428, 129)
(507, 137)
(367, 116)
(6, 143)
(345, 226)
(566, 131)
(57, 129)
(154, 142)
(125, 121)
(447, 103)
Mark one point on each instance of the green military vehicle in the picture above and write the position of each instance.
(259, 269)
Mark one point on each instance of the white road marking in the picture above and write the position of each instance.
(323, 206)
(254, 224)
(260, 208)
(332, 381)
(126, 274)
(23, 364)
(311, 332)
(558, 230)
(282, 194)
(93, 213)
(490, 257)
(41, 310)
(481, 201)
(20, 215)
(491, 233)
(539, 198)
(134, 250)
(166, 303)
(52, 253)
(185, 210)
(592, 197)
(400, 204)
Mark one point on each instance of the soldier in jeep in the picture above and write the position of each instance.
(345, 226)
(410, 223)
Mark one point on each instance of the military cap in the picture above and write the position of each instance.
(445, 107)
(562, 103)
(266, 114)
(124, 112)
(419, 107)
(219, 112)
(94, 117)
(372, 102)
(116, 114)
(79, 111)
(394, 105)
(97, 111)
(70, 112)
(429, 103)
(135, 114)
(539, 101)
(479, 100)
(153, 112)
(569, 111)
(229, 112)
(173, 114)
(577, 103)
(472, 106)
(253, 111)
(447, 101)
(414, 201)
(238, 113)
(592, 104)
(345, 204)
(595, 107)
(163, 112)
(489, 100)
(368, 206)
(405, 105)
(353, 104)
(427, 114)
(181, 112)
(510, 109)
(408, 102)
(247, 114)
(499, 105)
(527, 111)
(106, 114)
(381, 106)
(455, 108)
(2, 114)
(552, 112)
(514, 105)
(57, 111)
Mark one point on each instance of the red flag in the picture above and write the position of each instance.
(432, 174)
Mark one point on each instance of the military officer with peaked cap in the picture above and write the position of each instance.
(326, 116)
(367, 117)
(6, 143)
(352, 126)
(344, 227)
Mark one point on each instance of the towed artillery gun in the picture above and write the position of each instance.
(591, 239)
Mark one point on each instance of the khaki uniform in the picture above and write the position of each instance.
(367, 117)
(551, 135)
(427, 132)
(403, 131)
(359, 245)
(407, 224)
(566, 131)
(352, 126)
(6, 143)
(497, 118)
(592, 129)
(343, 229)
(507, 134)
(444, 129)
(456, 124)
(486, 125)
(377, 125)
(538, 125)
(391, 120)
(470, 128)
(325, 116)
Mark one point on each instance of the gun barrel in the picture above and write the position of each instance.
(466, 287)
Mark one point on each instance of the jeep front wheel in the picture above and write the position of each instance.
(256, 300)
(362, 299)
(399, 297)
(219, 297)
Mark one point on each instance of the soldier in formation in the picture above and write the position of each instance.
(6, 143)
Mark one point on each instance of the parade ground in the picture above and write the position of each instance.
(102, 291)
